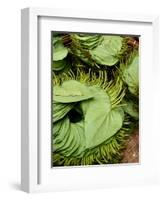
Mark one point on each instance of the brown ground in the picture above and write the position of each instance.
(131, 153)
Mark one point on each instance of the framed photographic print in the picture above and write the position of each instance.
(88, 113)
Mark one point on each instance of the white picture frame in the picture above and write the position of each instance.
(36, 172)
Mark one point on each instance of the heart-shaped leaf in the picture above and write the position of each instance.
(131, 75)
(106, 53)
(98, 121)
(59, 51)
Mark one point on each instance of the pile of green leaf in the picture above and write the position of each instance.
(95, 97)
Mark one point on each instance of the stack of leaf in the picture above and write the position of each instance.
(95, 97)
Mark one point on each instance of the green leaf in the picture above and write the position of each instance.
(130, 74)
(106, 53)
(61, 65)
(71, 91)
(86, 41)
(59, 51)
(55, 39)
(102, 122)
(131, 108)
(60, 110)
(98, 121)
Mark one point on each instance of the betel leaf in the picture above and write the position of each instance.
(98, 121)
(131, 108)
(55, 39)
(130, 74)
(102, 121)
(106, 53)
(59, 51)
(86, 41)
(60, 110)
(71, 91)
(61, 65)
(81, 44)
